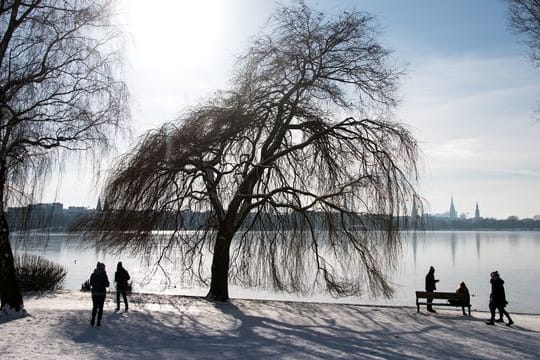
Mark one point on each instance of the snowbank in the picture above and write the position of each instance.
(179, 327)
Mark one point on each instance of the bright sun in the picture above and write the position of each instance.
(179, 31)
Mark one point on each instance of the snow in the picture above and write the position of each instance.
(181, 327)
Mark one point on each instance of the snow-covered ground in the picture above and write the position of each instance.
(180, 327)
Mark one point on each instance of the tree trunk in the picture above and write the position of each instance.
(219, 283)
(10, 295)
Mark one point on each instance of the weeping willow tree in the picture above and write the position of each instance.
(58, 92)
(524, 20)
(297, 173)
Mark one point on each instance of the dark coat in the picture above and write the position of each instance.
(430, 281)
(121, 276)
(498, 297)
(99, 281)
(465, 292)
(467, 297)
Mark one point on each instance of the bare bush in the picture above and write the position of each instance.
(35, 273)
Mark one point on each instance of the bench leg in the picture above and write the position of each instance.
(417, 307)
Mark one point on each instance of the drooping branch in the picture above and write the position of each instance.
(59, 92)
(298, 167)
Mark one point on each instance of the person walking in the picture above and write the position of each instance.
(497, 300)
(121, 276)
(98, 283)
(430, 286)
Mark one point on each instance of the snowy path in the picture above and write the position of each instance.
(176, 327)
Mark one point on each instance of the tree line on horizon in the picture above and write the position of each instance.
(75, 220)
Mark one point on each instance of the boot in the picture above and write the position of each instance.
(490, 322)
(92, 322)
(499, 320)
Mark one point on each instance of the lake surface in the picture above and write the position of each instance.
(457, 256)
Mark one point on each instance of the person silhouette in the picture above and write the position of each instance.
(497, 300)
(98, 283)
(430, 286)
(121, 276)
(462, 289)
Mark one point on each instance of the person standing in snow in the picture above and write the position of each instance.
(497, 300)
(121, 276)
(98, 283)
(430, 286)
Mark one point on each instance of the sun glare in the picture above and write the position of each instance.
(175, 31)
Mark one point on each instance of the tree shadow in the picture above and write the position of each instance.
(6, 317)
(382, 336)
(196, 328)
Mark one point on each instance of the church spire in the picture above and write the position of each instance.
(477, 212)
(453, 212)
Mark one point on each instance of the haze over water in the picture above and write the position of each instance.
(457, 256)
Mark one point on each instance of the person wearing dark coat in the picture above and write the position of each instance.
(497, 300)
(430, 286)
(464, 291)
(98, 283)
(121, 276)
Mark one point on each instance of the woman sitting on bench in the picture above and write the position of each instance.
(467, 298)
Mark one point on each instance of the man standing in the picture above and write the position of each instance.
(121, 277)
(430, 286)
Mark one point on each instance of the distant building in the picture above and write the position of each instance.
(51, 216)
(536, 217)
(452, 214)
(35, 216)
(477, 212)
(17, 217)
(76, 210)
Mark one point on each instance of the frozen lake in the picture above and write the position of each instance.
(457, 256)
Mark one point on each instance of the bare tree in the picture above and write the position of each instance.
(297, 173)
(57, 92)
(524, 18)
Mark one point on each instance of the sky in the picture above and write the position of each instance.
(469, 94)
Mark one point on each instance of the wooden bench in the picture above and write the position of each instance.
(457, 299)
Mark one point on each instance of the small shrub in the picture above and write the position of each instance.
(35, 273)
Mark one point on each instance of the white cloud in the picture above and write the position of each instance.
(454, 150)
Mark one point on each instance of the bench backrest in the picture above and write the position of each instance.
(441, 295)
